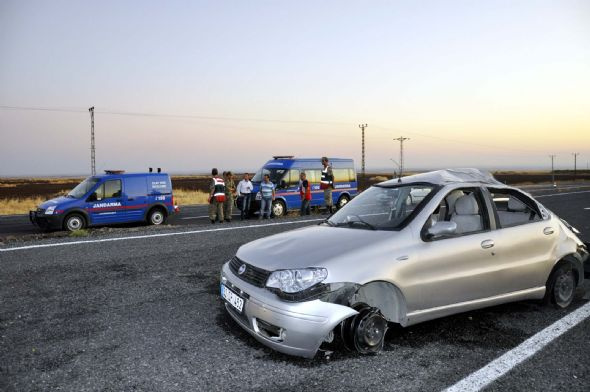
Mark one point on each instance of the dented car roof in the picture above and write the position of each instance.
(448, 176)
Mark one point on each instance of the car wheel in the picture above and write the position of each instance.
(278, 208)
(156, 217)
(342, 201)
(365, 331)
(562, 286)
(74, 222)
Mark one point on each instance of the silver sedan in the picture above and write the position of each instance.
(403, 251)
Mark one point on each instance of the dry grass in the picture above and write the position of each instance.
(185, 197)
(19, 205)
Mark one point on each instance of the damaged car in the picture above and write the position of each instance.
(404, 251)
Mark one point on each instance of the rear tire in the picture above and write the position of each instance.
(342, 201)
(561, 286)
(74, 222)
(156, 217)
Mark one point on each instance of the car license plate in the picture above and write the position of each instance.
(232, 298)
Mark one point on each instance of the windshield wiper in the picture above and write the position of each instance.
(360, 220)
(328, 222)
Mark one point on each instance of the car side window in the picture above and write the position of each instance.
(513, 208)
(464, 207)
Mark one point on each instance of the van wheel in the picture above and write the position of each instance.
(74, 222)
(342, 201)
(156, 217)
(561, 286)
(278, 208)
(365, 331)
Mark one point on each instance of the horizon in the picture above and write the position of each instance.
(189, 86)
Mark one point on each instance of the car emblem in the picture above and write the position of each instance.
(242, 269)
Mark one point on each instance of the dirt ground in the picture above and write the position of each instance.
(48, 187)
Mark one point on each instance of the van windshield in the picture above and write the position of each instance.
(381, 208)
(83, 188)
(275, 175)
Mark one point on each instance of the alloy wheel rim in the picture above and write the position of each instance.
(277, 209)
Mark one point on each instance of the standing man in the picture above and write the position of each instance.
(327, 183)
(230, 190)
(245, 192)
(305, 192)
(216, 197)
(267, 193)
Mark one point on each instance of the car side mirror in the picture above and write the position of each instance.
(441, 228)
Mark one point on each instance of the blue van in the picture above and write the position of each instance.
(114, 197)
(284, 173)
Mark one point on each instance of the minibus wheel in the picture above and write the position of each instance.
(278, 208)
(342, 201)
(156, 217)
(74, 222)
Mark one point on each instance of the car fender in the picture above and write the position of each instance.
(385, 296)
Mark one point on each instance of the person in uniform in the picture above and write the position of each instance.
(216, 197)
(230, 190)
(305, 193)
(327, 183)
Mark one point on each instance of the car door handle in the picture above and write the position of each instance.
(548, 230)
(487, 244)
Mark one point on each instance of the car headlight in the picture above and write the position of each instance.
(49, 210)
(293, 281)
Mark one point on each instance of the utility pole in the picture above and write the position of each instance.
(575, 154)
(92, 147)
(363, 126)
(552, 172)
(401, 141)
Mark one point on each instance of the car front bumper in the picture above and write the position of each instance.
(46, 222)
(294, 328)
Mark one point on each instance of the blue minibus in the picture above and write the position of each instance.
(284, 173)
(113, 197)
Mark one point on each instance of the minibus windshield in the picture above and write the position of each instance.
(83, 188)
(275, 175)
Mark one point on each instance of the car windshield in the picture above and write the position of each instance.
(82, 188)
(275, 175)
(381, 208)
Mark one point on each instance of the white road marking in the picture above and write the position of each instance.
(202, 216)
(587, 208)
(500, 366)
(561, 194)
(135, 237)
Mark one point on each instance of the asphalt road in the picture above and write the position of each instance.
(145, 314)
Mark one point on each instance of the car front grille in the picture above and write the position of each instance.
(253, 275)
(40, 211)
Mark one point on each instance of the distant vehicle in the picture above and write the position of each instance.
(402, 252)
(284, 173)
(113, 197)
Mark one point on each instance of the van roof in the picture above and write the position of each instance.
(308, 163)
(108, 175)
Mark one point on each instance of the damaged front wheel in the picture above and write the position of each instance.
(365, 331)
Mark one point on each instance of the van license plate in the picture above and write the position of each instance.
(232, 298)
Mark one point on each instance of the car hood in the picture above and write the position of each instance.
(58, 201)
(314, 246)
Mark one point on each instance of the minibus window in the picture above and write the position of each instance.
(293, 178)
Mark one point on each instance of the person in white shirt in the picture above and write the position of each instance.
(244, 190)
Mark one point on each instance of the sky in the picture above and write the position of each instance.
(190, 85)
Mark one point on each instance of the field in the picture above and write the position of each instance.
(19, 195)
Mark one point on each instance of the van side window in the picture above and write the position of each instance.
(313, 176)
(112, 188)
(513, 209)
(341, 175)
(293, 180)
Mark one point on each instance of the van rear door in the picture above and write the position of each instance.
(136, 197)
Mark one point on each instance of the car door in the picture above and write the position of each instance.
(105, 204)
(525, 241)
(457, 268)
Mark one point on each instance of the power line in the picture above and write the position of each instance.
(163, 115)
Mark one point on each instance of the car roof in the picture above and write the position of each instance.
(448, 176)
